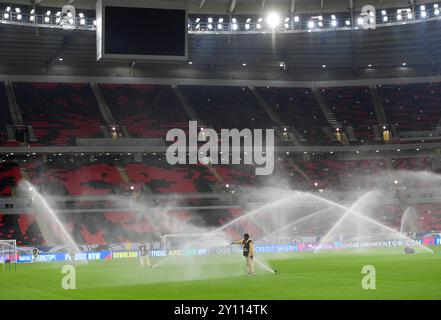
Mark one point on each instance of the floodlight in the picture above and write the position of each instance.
(235, 27)
(19, 16)
(273, 20)
(359, 21)
(221, 20)
(219, 26)
(17, 10)
(248, 20)
(234, 20)
(348, 23)
(423, 14)
(8, 9)
(399, 17)
(310, 24)
(436, 12)
(334, 23)
(258, 26)
(247, 26)
(48, 13)
(383, 12)
(6, 15)
(81, 15)
(385, 18)
(210, 20)
(296, 19)
(46, 19)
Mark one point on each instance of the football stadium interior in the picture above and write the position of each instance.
(351, 90)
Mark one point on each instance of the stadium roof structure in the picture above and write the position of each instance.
(407, 49)
(250, 6)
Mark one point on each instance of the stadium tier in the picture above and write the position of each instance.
(342, 174)
(147, 111)
(75, 179)
(5, 116)
(9, 178)
(22, 227)
(412, 107)
(59, 112)
(155, 176)
(227, 107)
(163, 178)
(353, 106)
(298, 107)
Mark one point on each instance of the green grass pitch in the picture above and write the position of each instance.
(300, 276)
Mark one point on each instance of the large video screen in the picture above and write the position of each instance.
(141, 33)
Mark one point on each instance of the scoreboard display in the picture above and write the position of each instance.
(141, 30)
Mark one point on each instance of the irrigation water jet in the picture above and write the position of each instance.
(51, 215)
(325, 238)
(302, 219)
(353, 212)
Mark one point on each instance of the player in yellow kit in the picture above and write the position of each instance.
(248, 252)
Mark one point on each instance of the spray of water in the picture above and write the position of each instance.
(369, 220)
(409, 221)
(264, 266)
(295, 222)
(51, 216)
(348, 211)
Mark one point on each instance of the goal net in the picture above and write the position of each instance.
(8, 254)
(193, 240)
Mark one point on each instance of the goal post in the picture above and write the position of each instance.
(8, 254)
(193, 240)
